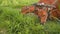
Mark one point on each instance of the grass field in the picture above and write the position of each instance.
(13, 22)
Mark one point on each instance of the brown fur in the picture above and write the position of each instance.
(43, 13)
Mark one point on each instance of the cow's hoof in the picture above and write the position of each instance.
(42, 23)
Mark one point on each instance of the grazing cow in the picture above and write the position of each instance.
(44, 9)
(37, 10)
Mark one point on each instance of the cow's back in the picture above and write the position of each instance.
(47, 1)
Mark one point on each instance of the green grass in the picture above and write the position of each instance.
(13, 22)
(16, 23)
(16, 3)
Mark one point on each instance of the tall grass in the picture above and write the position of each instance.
(16, 3)
(13, 22)
(16, 23)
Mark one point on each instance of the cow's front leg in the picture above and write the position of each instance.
(43, 17)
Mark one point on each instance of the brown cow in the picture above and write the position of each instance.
(43, 9)
(41, 13)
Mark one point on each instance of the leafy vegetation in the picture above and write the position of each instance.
(16, 3)
(13, 22)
